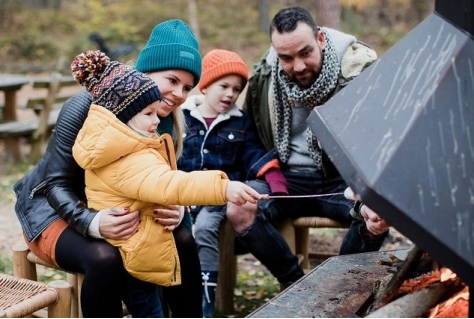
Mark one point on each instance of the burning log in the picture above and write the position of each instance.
(387, 294)
(409, 294)
(419, 302)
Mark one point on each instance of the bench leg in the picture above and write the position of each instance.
(75, 302)
(302, 245)
(80, 279)
(227, 272)
(22, 267)
(287, 230)
(12, 149)
(62, 308)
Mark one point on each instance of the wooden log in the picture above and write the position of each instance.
(385, 296)
(418, 303)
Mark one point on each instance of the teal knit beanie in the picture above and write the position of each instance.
(172, 45)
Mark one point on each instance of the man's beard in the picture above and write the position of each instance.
(308, 81)
(314, 73)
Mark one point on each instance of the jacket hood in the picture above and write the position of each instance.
(104, 139)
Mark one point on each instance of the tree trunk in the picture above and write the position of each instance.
(385, 15)
(263, 23)
(420, 10)
(328, 13)
(193, 17)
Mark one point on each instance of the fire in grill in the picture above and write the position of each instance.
(419, 288)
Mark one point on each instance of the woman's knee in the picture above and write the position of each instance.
(104, 255)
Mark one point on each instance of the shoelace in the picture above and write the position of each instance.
(206, 284)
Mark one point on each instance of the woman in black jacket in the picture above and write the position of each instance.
(58, 226)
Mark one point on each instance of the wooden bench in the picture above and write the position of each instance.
(46, 107)
(24, 266)
(38, 103)
(21, 298)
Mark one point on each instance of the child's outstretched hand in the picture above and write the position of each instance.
(238, 193)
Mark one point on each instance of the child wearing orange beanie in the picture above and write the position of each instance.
(221, 136)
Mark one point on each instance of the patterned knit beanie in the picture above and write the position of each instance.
(219, 63)
(115, 86)
(172, 45)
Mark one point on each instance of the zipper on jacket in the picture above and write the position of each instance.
(38, 187)
(175, 267)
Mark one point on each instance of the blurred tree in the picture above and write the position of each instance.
(42, 4)
(385, 13)
(263, 13)
(328, 13)
(193, 17)
(32, 32)
(421, 9)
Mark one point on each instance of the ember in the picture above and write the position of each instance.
(420, 289)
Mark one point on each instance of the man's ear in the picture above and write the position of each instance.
(321, 39)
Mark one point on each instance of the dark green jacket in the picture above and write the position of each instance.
(256, 100)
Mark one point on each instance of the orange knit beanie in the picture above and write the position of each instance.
(219, 63)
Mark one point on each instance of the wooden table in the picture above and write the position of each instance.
(10, 84)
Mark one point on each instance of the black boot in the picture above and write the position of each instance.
(209, 285)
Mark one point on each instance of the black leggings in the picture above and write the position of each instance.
(104, 285)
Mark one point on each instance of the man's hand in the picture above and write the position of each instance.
(168, 216)
(374, 223)
(118, 223)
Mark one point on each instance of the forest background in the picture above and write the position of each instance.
(42, 36)
(45, 35)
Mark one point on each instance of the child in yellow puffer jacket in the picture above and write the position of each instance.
(128, 164)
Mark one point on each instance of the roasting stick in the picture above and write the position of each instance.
(267, 196)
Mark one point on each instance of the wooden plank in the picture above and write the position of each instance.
(26, 128)
(45, 82)
(337, 288)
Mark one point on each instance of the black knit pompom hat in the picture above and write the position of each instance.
(113, 85)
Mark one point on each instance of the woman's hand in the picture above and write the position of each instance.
(169, 216)
(118, 223)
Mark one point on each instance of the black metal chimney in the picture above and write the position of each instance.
(402, 136)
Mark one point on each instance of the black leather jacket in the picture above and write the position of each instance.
(54, 188)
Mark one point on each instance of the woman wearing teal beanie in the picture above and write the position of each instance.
(60, 229)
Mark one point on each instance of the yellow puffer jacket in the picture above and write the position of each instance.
(124, 169)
